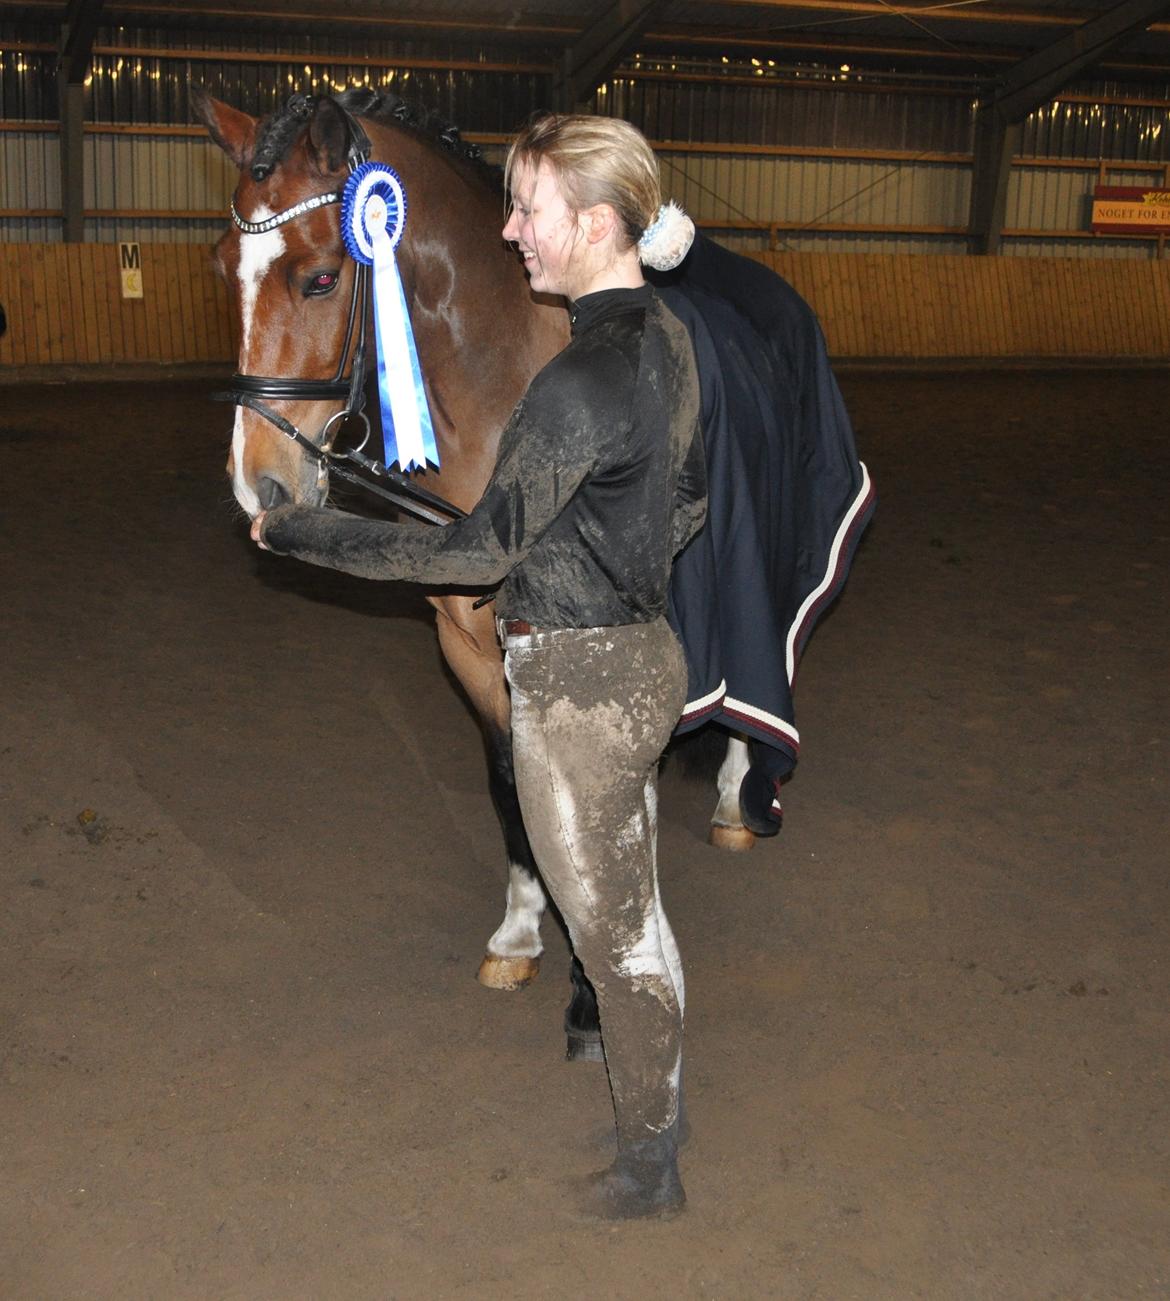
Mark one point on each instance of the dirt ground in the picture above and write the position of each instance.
(249, 866)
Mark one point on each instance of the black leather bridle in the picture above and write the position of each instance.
(251, 390)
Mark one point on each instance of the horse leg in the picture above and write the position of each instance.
(468, 640)
(513, 953)
(727, 829)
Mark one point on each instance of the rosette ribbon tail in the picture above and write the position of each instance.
(373, 217)
(408, 432)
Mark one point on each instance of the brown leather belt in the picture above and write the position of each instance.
(516, 627)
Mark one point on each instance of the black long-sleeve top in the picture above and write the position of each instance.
(599, 481)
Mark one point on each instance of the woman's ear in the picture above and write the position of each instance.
(599, 221)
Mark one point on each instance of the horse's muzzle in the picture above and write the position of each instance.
(272, 492)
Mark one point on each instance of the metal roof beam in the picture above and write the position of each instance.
(598, 50)
(1032, 82)
(942, 11)
(1035, 80)
(799, 44)
(77, 33)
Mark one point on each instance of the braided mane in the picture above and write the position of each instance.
(277, 133)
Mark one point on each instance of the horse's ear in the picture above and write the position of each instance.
(233, 131)
(329, 137)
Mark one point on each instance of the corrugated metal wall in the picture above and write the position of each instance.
(811, 107)
(1074, 129)
(909, 195)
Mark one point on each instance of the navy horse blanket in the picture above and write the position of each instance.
(787, 503)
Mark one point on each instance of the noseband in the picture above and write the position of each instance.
(251, 390)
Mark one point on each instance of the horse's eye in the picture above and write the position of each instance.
(321, 283)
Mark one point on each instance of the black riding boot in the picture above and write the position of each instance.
(642, 1182)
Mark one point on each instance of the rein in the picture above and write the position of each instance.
(250, 390)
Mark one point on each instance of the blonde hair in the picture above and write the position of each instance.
(595, 160)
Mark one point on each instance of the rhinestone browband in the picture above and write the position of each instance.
(297, 210)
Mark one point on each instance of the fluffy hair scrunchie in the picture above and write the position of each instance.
(668, 238)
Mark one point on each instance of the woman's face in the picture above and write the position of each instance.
(544, 229)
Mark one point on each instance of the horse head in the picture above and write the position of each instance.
(291, 285)
(480, 336)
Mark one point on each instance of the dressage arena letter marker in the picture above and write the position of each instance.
(130, 265)
(373, 215)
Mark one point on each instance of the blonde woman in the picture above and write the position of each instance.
(599, 482)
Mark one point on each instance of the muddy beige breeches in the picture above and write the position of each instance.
(592, 710)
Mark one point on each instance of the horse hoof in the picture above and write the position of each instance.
(736, 839)
(583, 1046)
(507, 973)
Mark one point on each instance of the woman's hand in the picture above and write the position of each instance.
(257, 526)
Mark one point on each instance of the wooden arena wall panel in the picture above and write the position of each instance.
(65, 307)
(875, 305)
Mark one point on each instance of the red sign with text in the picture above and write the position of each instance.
(1131, 210)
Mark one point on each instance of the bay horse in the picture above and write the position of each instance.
(481, 336)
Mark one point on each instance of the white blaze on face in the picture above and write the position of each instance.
(257, 254)
(240, 486)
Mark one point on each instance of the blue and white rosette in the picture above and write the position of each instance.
(373, 215)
